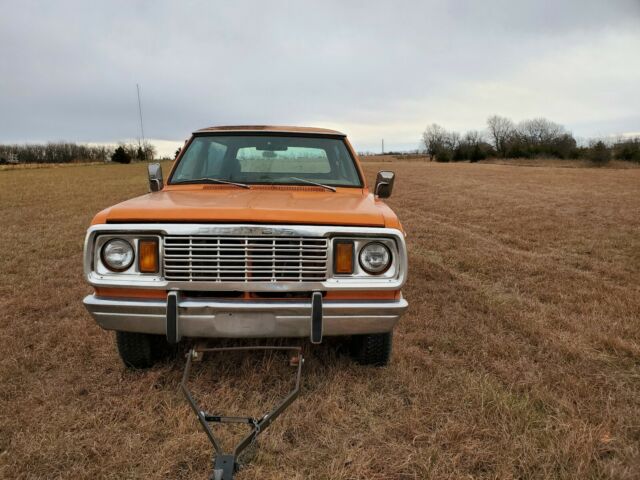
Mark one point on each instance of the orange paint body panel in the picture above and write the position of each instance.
(271, 128)
(364, 295)
(194, 203)
(129, 293)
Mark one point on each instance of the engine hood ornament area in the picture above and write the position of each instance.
(225, 465)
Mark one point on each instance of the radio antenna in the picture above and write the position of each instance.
(140, 112)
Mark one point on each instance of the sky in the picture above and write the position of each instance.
(372, 69)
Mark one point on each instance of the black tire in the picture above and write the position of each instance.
(372, 349)
(141, 350)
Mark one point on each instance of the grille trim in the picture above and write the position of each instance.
(206, 258)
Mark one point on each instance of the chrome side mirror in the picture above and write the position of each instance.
(384, 184)
(155, 177)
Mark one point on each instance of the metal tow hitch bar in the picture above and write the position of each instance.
(226, 464)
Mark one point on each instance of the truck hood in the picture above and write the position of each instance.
(260, 204)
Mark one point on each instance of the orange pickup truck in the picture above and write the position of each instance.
(259, 231)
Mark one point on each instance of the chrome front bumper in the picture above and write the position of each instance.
(237, 318)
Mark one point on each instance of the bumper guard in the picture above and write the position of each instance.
(232, 318)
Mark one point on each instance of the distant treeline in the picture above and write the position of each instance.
(537, 137)
(66, 152)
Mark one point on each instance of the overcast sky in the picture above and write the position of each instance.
(373, 69)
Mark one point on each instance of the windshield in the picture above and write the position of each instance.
(267, 159)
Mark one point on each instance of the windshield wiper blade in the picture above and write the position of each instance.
(216, 180)
(328, 187)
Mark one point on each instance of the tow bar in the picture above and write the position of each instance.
(225, 465)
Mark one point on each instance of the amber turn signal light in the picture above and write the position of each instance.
(343, 257)
(148, 256)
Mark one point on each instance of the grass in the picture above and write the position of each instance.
(519, 357)
(517, 162)
(558, 162)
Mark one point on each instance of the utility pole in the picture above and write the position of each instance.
(383, 146)
(140, 112)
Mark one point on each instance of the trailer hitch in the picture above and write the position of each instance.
(225, 465)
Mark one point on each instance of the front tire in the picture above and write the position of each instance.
(141, 350)
(372, 349)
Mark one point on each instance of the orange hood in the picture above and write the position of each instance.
(260, 204)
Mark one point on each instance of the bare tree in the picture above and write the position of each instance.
(501, 130)
(473, 138)
(434, 139)
(452, 140)
(56, 152)
(540, 131)
(149, 151)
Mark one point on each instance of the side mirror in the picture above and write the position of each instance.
(155, 177)
(384, 184)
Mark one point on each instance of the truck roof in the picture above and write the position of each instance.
(270, 128)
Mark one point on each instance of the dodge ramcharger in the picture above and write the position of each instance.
(258, 232)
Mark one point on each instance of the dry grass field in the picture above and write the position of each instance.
(516, 162)
(519, 357)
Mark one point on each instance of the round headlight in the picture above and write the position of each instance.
(375, 258)
(117, 255)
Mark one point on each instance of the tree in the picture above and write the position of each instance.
(501, 130)
(452, 140)
(564, 146)
(600, 153)
(540, 131)
(474, 146)
(628, 149)
(434, 139)
(120, 155)
(148, 151)
(541, 137)
(473, 137)
(443, 155)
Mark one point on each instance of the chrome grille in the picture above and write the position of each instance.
(245, 259)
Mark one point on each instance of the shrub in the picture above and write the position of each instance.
(443, 156)
(563, 146)
(477, 154)
(120, 155)
(600, 153)
(518, 148)
(628, 150)
(460, 153)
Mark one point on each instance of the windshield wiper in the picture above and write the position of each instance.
(313, 183)
(216, 180)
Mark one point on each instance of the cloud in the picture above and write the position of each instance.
(383, 69)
